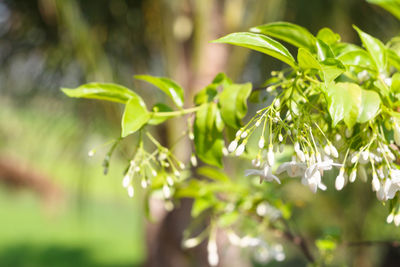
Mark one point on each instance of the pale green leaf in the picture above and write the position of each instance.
(259, 43)
(370, 104)
(306, 60)
(328, 36)
(135, 116)
(158, 109)
(375, 48)
(288, 32)
(103, 91)
(169, 87)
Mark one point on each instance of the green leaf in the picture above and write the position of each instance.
(344, 100)
(205, 95)
(358, 59)
(212, 173)
(259, 43)
(369, 108)
(306, 60)
(233, 103)
(221, 78)
(135, 116)
(328, 36)
(158, 109)
(323, 50)
(395, 87)
(342, 48)
(172, 89)
(227, 219)
(208, 138)
(331, 69)
(375, 48)
(288, 32)
(104, 91)
(201, 204)
(393, 59)
(393, 6)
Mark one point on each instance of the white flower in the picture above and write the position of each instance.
(240, 149)
(193, 160)
(339, 182)
(354, 159)
(390, 218)
(280, 137)
(244, 134)
(126, 181)
(213, 258)
(258, 122)
(334, 151)
(265, 174)
(293, 168)
(300, 155)
(232, 146)
(364, 157)
(312, 175)
(261, 142)
(396, 219)
(166, 191)
(270, 156)
(327, 150)
(353, 175)
(131, 191)
(376, 185)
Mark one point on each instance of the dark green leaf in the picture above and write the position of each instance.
(306, 60)
(288, 32)
(208, 138)
(344, 100)
(259, 43)
(158, 109)
(104, 91)
(233, 103)
(375, 48)
(370, 103)
(135, 116)
(172, 89)
(328, 36)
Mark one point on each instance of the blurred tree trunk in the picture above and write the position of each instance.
(193, 62)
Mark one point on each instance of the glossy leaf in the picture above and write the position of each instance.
(328, 36)
(375, 48)
(395, 86)
(370, 104)
(158, 109)
(233, 103)
(134, 117)
(208, 138)
(393, 6)
(169, 87)
(288, 32)
(207, 94)
(342, 48)
(344, 100)
(323, 50)
(331, 69)
(357, 58)
(306, 60)
(393, 59)
(103, 91)
(259, 43)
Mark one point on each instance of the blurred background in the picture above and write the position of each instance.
(56, 206)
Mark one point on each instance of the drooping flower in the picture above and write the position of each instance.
(265, 174)
(339, 182)
(293, 168)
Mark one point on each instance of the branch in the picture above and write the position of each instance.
(299, 241)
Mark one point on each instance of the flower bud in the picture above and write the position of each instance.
(126, 181)
(240, 149)
(327, 150)
(339, 182)
(353, 175)
(280, 137)
(193, 160)
(143, 183)
(390, 218)
(166, 191)
(131, 191)
(270, 156)
(354, 159)
(258, 122)
(376, 185)
(261, 142)
(334, 151)
(396, 130)
(244, 134)
(232, 146)
(396, 219)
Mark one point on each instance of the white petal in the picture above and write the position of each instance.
(232, 146)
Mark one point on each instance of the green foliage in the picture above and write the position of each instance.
(135, 116)
(103, 91)
(259, 43)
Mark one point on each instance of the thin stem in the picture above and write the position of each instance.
(175, 113)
